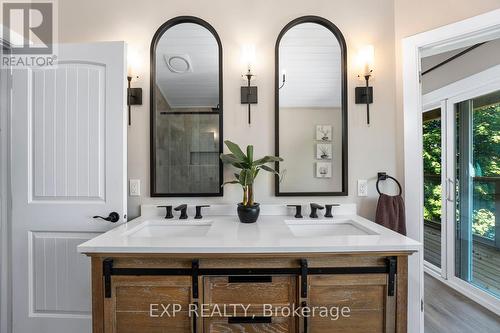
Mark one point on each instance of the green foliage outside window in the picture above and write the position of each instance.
(486, 156)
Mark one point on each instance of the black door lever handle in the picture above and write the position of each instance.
(113, 217)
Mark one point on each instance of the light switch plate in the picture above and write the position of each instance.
(362, 188)
(134, 187)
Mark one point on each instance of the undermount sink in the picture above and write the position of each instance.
(322, 228)
(170, 228)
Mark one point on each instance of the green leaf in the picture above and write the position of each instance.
(236, 150)
(230, 159)
(230, 182)
(250, 154)
(267, 159)
(269, 169)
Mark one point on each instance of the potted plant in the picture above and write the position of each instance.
(248, 209)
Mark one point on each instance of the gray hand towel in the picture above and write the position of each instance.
(391, 213)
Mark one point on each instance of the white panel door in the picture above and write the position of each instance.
(68, 163)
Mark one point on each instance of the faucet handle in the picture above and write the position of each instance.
(298, 211)
(198, 211)
(328, 212)
(168, 214)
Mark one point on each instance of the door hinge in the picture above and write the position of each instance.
(421, 305)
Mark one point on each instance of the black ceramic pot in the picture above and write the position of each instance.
(248, 214)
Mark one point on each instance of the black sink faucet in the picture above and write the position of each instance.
(183, 209)
(314, 208)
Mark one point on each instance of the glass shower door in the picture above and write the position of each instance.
(477, 197)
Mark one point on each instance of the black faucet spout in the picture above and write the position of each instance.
(314, 209)
(183, 209)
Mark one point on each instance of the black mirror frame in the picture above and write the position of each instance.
(338, 34)
(158, 34)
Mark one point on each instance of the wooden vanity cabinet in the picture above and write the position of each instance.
(133, 298)
(122, 297)
(363, 297)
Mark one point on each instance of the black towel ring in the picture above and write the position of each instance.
(384, 176)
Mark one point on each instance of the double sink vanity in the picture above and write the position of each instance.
(145, 269)
(323, 272)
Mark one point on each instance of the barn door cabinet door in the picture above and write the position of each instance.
(376, 302)
(357, 303)
(145, 304)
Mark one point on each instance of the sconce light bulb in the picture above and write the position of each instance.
(134, 65)
(248, 57)
(365, 60)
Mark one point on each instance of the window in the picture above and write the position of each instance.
(477, 244)
(432, 151)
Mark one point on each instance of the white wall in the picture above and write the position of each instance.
(371, 149)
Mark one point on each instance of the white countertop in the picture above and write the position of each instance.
(270, 234)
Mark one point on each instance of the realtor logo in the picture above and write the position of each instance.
(28, 27)
(28, 33)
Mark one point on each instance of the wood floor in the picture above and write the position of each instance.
(446, 311)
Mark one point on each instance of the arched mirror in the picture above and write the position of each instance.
(186, 109)
(311, 109)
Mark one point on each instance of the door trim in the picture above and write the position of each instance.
(435, 40)
(5, 285)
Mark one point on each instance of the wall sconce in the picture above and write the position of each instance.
(248, 92)
(134, 95)
(364, 95)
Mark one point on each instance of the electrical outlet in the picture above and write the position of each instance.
(134, 187)
(362, 188)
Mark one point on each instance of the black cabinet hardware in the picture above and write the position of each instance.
(195, 317)
(314, 208)
(298, 211)
(107, 268)
(168, 214)
(198, 211)
(392, 266)
(195, 266)
(250, 279)
(303, 278)
(183, 209)
(249, 320)
(328, 212)
(250, 271)
(304, 305)
(113, 217)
